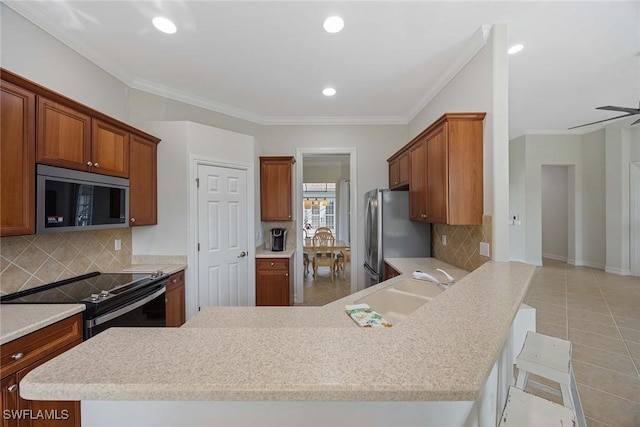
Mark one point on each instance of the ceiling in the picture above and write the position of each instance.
(268, 61)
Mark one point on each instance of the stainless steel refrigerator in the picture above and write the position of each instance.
(389, 233)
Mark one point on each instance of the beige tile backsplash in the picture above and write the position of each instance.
(34, 260)
(290, 226)
(463, 243)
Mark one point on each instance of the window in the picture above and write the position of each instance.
(319, 200)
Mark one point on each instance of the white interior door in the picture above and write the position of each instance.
(222, 233)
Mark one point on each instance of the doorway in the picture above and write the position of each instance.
(223, 204)
(555, 212)
(325, 197)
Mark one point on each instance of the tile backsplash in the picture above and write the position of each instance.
(463, 243)
(38, 259)
(290, 226)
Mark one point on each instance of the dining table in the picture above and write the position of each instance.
(339, 246)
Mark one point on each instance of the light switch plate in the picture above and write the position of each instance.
(484, 249)
(117, 244)
(444, 240)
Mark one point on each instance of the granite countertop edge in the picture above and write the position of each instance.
(206, 360)
(19, 320)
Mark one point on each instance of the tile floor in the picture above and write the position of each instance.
(322, 290)
(597, 311)
(600, 314)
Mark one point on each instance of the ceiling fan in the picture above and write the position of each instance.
(629, 111)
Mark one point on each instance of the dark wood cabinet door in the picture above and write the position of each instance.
(10, 398)
(394, 173)
(17, 160)
(275, 188)
(109, 149)
(437, 170)
(399, 171)
(175, 308)
(417, 181)
(64, 136)
(49, 413)
(143, 181)
(274, 282)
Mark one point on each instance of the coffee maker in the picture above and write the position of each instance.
(278, 239)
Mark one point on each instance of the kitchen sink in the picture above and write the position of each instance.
(397, 301)
(418, 287)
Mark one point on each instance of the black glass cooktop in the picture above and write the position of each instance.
(79, 288)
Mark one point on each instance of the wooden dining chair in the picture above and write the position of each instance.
(323, 243)
(324, 230)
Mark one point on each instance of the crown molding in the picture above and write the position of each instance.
(198, 101)
(471, 49)
(329, 120)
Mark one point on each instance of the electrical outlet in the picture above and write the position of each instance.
(484, 249)
(444, 240)
(117, 244)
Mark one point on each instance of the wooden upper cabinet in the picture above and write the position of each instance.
(275, 188)
(109, 149)
(71, 139)
(17, 160)
(143, 192)
(446, 172)
(64, 136)
(399, 171)
(437, 202)
(417, 181)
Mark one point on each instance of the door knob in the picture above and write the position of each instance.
(242, 254)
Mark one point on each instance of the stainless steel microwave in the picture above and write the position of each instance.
(70, 200)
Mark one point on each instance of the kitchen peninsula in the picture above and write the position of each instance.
(448, 363)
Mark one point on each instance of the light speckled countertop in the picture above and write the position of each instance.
(18, 320)
(267, 253)
(443, 351)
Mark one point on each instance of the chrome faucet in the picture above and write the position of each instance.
(450, 279)
(419, 275)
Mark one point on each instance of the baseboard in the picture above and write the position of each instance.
(590, 264)
(554, 257)
(618, 271)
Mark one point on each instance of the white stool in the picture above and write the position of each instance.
(526, 410)
(550, 358)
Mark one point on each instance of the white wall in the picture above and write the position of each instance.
(32, 53)
(482, 85)
(594, 205)
(517, 199)
(555, 212)
(181, 141)
(618, 156)
(324, 173)
(587, 230)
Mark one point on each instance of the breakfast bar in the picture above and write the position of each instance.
(448, 363)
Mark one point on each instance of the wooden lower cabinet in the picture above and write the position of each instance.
(274, 281)
(174, 300)
(27, 353)
(390, 272)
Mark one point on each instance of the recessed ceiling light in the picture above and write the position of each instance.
(329, 91)
(515, 49)
(333, 24)
(164, 24)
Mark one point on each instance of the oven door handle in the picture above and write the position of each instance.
(127, 308)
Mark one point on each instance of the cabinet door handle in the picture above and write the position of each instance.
(97, 165)
(133, 220)
(17, 356)
(89, 164)
(174, 281)
(271, 264)
(286, 274)
(12, 388)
